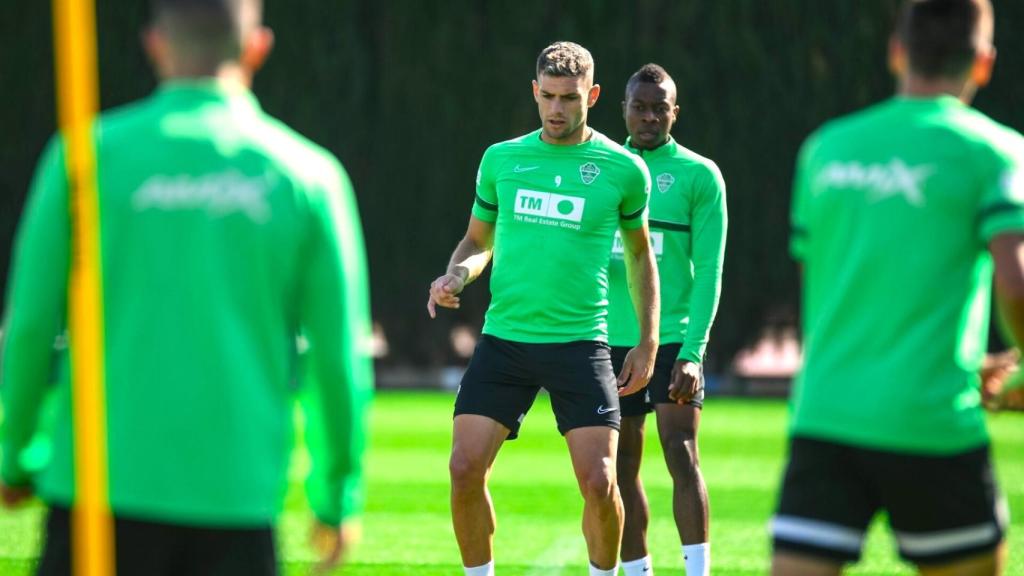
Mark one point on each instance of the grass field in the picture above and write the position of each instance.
(407, 527)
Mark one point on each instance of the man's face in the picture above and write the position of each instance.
(650, 111)
(563, 103)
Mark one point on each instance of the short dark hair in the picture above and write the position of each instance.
(943, 37)
(566, 59)
(648, 74)
(209, 31)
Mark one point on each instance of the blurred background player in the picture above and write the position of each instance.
(688, 221)
(899, 212)
(547, 207)
(223, 234)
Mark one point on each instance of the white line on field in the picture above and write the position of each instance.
(552, 561)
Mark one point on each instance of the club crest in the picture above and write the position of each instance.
(665, 181)
(589, 172)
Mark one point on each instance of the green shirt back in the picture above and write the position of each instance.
(223, 234)
(556, 210)
(893, 210)
(688, 221)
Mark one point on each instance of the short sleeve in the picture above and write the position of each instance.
(485, 204)
(637, 184)
(1001, 208)
(799, 221)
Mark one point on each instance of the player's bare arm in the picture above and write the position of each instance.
(642, 274)
(1008, 253)
(468, 261)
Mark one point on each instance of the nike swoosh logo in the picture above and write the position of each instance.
(519, 168)
(603, 410)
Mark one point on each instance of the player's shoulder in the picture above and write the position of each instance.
(841, 129)
(296, 154)
(695, 163)
(500, 152)
(616, 154)
(986, 135)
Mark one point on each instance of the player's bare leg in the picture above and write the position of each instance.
(988, 564)
(593, 459)
(677, 428)
(475, 443)
(634, 499)
(787, 564)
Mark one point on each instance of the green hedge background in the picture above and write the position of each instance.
(409, 93)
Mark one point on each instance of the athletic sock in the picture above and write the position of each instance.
(638, 567)
(485, 570)
(595, 571)
(698, 559)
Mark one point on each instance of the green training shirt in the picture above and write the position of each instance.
(223, 233)
(556, 210)
(688, 223)
(893, 211)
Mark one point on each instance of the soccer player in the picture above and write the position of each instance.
(547, 207)
(223, 233)
(688, 223)
(899, 213)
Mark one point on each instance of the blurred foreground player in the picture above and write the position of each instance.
(688, 223)
(899, 213)
(223, 235)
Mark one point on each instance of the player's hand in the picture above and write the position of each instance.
(332, 543)
(637, 368)
(445, 292)
(997, 371)
(12, 496)
(686, 381)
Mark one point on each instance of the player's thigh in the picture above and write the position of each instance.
(825, 505)
(637, 403)
(499, 383)
(943, 509)
(988, 564)
(677, 429)
(475, 443)
(592, 449)
(579, 378)
(787, 564)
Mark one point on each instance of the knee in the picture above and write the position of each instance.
(466, 471)
(681, 455)
(598, 485)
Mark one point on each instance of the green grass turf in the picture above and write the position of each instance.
(407, 527)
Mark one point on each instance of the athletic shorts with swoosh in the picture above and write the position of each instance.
(504, 377)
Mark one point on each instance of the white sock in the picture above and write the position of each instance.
(595, 571)
(698, 559)
(638, 567)
(485, 570)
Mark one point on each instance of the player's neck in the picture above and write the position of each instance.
(226, 73)
(913, 86)
(581, 135)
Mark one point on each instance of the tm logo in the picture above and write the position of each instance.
(548, 205)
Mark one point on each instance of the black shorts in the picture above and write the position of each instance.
(656, 392)
(940, 508)
(145, 548)
(504, 377)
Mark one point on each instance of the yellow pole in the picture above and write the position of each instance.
(77, 95)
